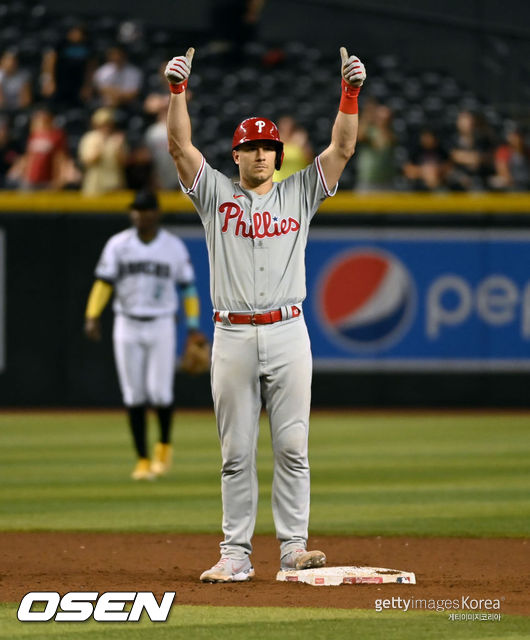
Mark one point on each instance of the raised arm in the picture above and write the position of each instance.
(187, 158)
(344, 133)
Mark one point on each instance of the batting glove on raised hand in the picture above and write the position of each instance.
(352, 69)
(178, 71)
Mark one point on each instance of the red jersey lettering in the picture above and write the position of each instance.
(263, 225)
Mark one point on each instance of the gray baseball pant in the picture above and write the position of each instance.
(249, 363)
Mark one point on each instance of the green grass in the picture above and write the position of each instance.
(417, 474)
(264, 623)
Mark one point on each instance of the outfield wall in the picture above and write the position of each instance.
(456, 333)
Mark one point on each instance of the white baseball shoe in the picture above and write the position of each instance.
(302, 559)
(229, 570)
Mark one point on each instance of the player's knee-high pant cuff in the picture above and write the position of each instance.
(240, 503)
(290, 496)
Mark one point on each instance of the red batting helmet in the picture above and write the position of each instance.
(259, 129)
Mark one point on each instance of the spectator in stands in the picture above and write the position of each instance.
(68, 68)
(45, 162)
(155, 139)
(139, 170)
(15, 83)
(512, 163)
(103, 155)
(470, 155)
(233, 24)
(10, 151)
(117, 81)
(428, 163)
(375, 158)
(296, 146)
(158, 92)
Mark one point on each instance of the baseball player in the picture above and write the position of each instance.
(256, 232)
(143, 265)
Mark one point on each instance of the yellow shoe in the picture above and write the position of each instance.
(161, 459)
(142, 470)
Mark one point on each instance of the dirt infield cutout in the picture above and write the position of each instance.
(446, 568)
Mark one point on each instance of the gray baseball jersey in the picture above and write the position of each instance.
(256, 246)
(145, 275)
(256, 243)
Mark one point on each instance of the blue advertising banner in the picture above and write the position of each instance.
(419, 300)
(193, 238)
(394, 299)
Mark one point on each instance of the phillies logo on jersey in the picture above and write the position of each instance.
(261, 224)
(366, 299)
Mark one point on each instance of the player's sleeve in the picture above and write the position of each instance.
(107, 266)
(185, 272)
(312, 186)
(204, 190)
(186, 285)
(192, 308)
(97, 300)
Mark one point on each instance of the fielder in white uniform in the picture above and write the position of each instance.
(256, 232)
(145, 265)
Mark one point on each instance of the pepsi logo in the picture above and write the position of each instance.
(366, 299)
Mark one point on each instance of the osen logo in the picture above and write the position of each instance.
(79, 606)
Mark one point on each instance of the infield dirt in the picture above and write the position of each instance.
(446, 568)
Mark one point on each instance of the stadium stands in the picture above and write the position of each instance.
(225, 91)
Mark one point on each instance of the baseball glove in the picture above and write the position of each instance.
(196, 357)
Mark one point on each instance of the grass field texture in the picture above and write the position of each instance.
(263, 623)
(372, 474)
(380, 474)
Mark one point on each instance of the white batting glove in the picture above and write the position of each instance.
(352, 69)
(179, 68)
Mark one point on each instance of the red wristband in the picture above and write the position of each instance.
(178, 88)
(348, 100)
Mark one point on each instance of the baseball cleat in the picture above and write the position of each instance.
(161, 459)
(142, 470)
(302, 559)
(229, 570)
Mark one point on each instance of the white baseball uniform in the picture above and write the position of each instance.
(144, 276)
(256, 246)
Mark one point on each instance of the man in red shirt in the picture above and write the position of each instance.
(43, 164)
(512, 163)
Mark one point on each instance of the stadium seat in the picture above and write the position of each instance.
(299, 79)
